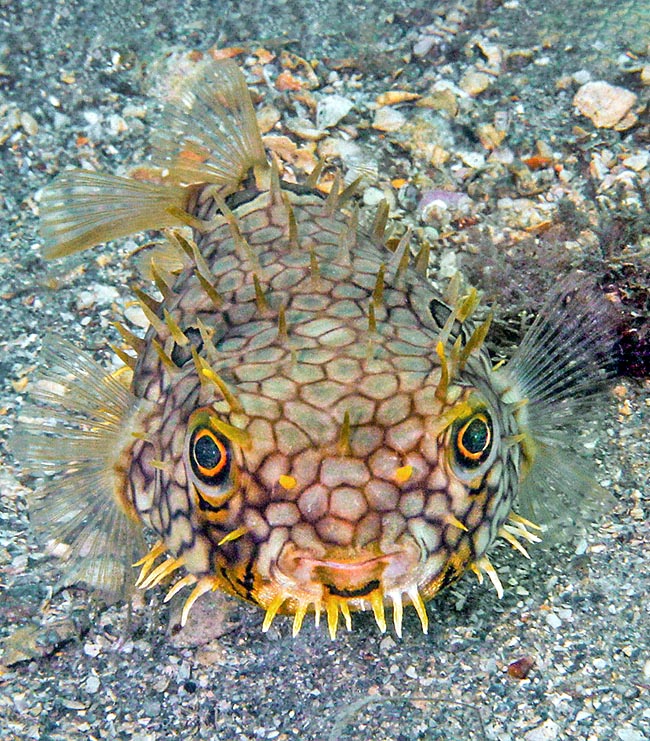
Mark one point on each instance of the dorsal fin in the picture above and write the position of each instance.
(209, 133)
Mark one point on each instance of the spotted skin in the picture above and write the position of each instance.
(345, 526)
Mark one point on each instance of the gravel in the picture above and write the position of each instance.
(532, 190)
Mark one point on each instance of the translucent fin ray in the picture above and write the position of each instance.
(72, 433)
(562, 494)
(561, 369)
(567, 356)
(81, 209)
(209, 133)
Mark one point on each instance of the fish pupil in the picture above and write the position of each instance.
(475, 437)
(206, 453)
(473, 440)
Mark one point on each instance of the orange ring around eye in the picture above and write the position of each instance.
(221, 448)
(462, 448)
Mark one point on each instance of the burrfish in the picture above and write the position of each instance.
(307, 423)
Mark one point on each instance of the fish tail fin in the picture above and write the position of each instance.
(74, 435)
(81, 209)
(209, 135)
(556, 380)
(209, 132)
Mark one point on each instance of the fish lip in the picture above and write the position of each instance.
(351, 577)
(342, 565)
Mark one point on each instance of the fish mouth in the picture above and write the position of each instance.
(339, 580)
(355, 577)
(350, 579)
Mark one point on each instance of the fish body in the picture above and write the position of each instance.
(331, 513)
(309, 426)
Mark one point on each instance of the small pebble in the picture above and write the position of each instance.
(134, 111)
(373, 196)
(267, 117)
(92, 117)
(151, 708)
(630, 734)
(520, 668)
(305, 129)
(423, 45)
(582, 76)
(475, 160)
(387, 643)
(553, 620)
(637, 162)
(97, 294)
(547, 731)
(92, 649)
(116, 124)
(581, 546)
(388, 119)
(393, 97)
(92, 684)
(474, 83)
(136, 316)
(28, 122)
(331, 110)
(608, 106)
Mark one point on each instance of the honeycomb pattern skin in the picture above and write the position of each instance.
(320, 514)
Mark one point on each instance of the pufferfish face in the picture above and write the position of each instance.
(299, 508)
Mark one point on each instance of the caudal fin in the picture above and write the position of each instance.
(209, 135)
(72, 436)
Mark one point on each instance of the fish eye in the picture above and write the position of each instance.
(472, 440)
(209, 456)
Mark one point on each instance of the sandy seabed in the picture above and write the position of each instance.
(537, 190)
